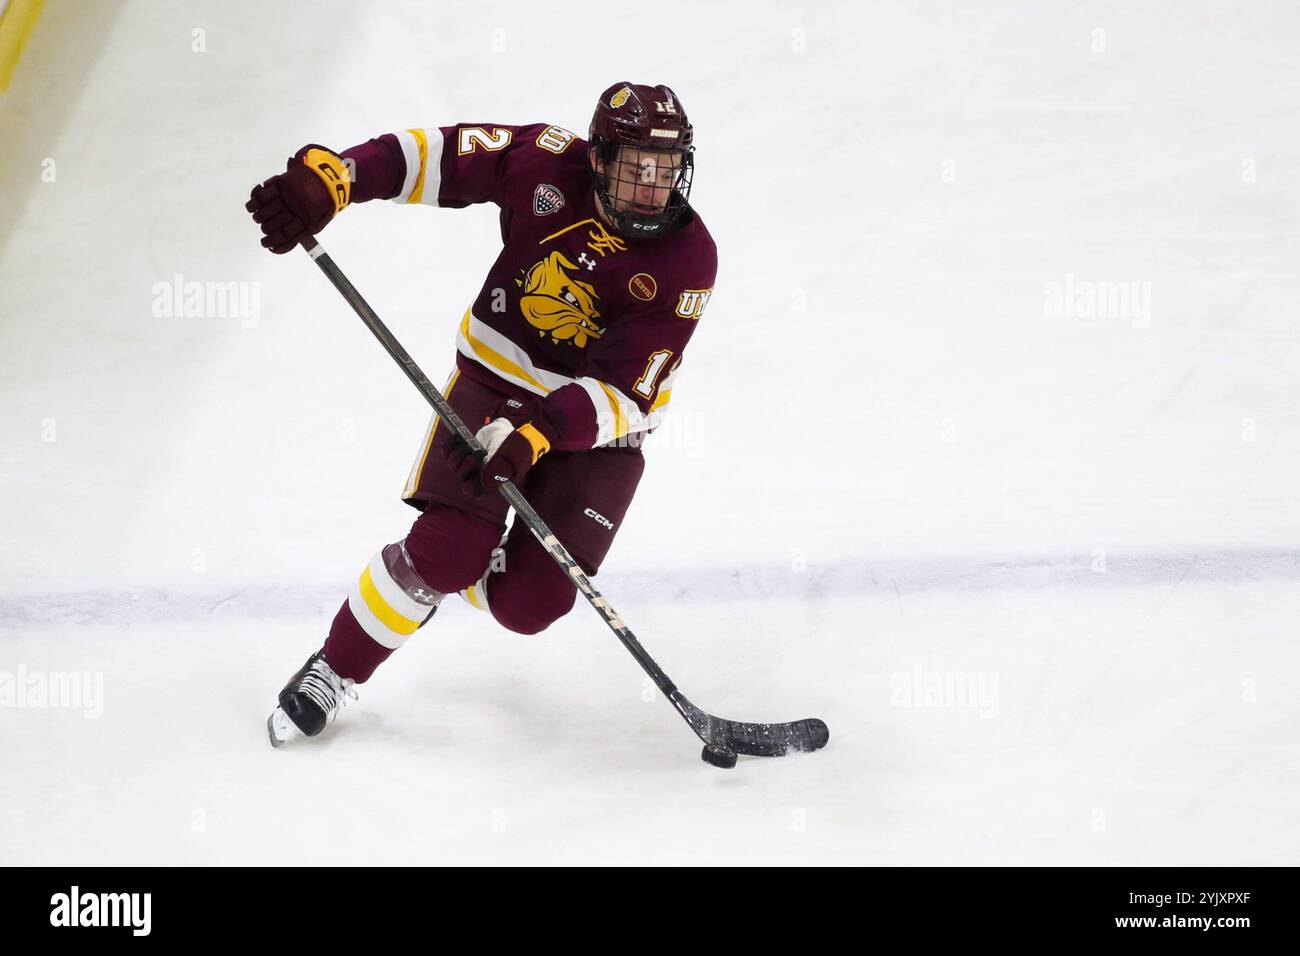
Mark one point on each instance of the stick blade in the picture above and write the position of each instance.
(756, 740)
(774, 740)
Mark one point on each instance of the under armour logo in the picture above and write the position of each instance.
(589, 263)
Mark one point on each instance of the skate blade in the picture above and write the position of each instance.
(279, 727)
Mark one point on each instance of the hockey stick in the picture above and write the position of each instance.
(723, 739)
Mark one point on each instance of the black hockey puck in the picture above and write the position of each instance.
(718, 756)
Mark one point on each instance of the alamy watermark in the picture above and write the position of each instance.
(1087, 299)
(684, 430)
(64, 690)
(921, 688)
(179, 299)
(75, 908)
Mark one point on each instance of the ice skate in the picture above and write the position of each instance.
(311, 699)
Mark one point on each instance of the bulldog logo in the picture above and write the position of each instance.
(557, 304)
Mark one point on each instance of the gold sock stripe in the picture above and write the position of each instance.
(385, 612)
(472, 591)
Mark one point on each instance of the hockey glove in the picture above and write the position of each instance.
(511, 446)
(299, 202)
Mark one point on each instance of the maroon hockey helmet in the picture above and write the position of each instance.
(651, 121)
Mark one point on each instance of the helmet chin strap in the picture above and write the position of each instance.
(603, 211)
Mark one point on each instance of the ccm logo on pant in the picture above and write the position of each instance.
(599, 519)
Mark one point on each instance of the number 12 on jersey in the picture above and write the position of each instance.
(645, 385)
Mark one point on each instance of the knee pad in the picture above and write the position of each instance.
(523, 588)
(534, 614)
(530, 603)
(390, 600)
(450, 548)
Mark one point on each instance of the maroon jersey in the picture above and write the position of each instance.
(592, 321)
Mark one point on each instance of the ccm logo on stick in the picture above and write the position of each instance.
(599, 519)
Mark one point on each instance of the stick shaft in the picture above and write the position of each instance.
(526, 512)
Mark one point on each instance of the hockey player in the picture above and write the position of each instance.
(566, 359)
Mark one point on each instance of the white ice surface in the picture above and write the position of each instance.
(885, 457)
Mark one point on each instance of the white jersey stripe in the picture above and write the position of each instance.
(410, 153)
(616, 414)
(432, 167)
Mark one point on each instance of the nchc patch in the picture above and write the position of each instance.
(547, 199)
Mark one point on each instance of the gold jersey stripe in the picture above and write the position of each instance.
(620, 417)
(491, 356)
(424, 456)
(422, 142)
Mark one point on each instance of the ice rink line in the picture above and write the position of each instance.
(904, 576)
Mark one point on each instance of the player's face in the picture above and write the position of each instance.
(642, 180)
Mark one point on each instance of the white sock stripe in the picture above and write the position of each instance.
(394, 594)
(476, 594)
(371, 624)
